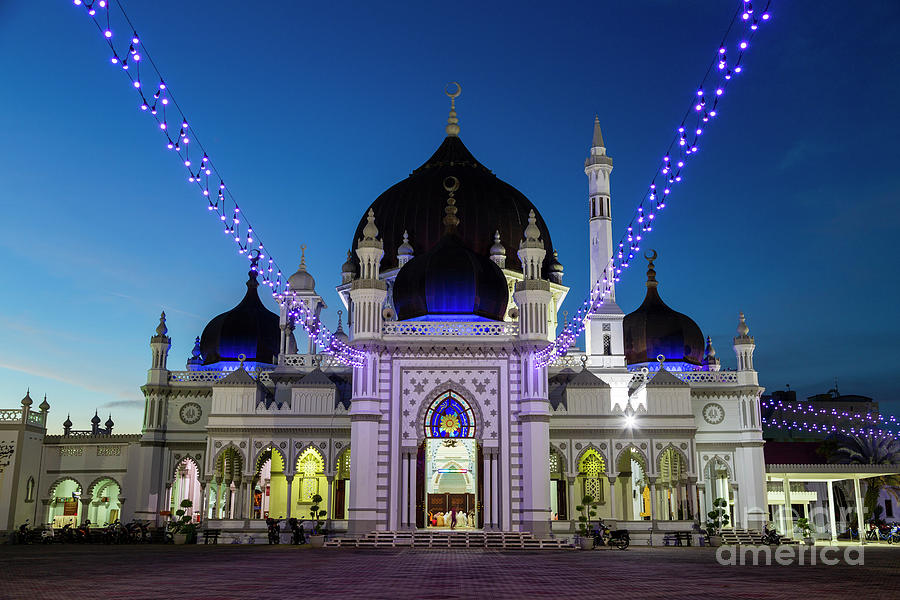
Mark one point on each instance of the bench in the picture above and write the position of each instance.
(677, 538)
(211, 534)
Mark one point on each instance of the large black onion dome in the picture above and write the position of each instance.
(488, 203)
(655, 329)
(249, 329)
(450, 279)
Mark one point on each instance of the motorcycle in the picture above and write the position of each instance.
(274, 531)
(893, 536)
(298, 536)
(23, 534)
(771, 537)
(604, 536)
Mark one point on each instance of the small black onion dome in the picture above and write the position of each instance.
(414, 205)
(349, 267)
(68, 422)
(249, 329)
(95, 419)
(109, 422)
(450, 279)
(655, 329)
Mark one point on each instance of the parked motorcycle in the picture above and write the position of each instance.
(274, 531)
(298, 536)
(771, 537)
(605, 536)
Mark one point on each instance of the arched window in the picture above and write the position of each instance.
(449, 417)
(310, 467)
(592, 469)
(607, 345)
(29, 490)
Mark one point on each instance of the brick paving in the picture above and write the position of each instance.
(282, 572)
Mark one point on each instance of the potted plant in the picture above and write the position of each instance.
(806, 531)
(588, 510)
(317, 536)
(183, 528)
(717, 518)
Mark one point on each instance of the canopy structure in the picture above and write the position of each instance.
(823, 473)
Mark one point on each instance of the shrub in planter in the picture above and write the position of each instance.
(717, 518)
(587, 508)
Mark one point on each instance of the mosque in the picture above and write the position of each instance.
(450, 285)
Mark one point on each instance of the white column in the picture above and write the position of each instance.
(859, 512)
(654, 514)
(570, 499)
(403, 503)
(788, 512)
(411, 509)
(287, 510)
(738, 517)
(495, 491)
(365, 413)
(487, 507)
(328, 508)
(831, 517)
(612, 498)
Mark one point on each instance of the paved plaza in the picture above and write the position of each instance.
(281, 572)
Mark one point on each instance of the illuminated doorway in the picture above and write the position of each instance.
(449, 478)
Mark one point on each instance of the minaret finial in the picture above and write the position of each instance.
(651, 272)
(597, 141)
(453, 90)
(303, 255)
(451, 184)
(161, 329)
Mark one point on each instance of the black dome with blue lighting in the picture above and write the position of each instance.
(450, 280)
(249, 329)
(655, 329)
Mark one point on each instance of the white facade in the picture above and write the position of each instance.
(657, 445)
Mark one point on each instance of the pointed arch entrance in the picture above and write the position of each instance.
(449, 478)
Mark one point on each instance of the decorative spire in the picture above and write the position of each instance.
(498, 251)
(710, 351)
(26, 401)
(453, 90)
(743, 329)
(96, 418)
(651, 272)
(303, 256)
(597, 142)
(532, 232)
(44, 406)
(451, 184)
(109, 423)
(405, 251)
(161, 329)
(68, 422)
(196, 358)
(370, 231)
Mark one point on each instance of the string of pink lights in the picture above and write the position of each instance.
(704, 108)
(157, 100)
(808, 410)
(806, 427)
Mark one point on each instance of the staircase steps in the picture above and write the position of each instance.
(750, 537)
(448, 539)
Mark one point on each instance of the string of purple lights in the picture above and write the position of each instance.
(157, 100)
(704, 107)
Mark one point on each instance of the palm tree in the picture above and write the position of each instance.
(870, 450)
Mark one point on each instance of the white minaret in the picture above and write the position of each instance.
(368, 292)
(603, 334)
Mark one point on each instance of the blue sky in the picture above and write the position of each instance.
(311, 111)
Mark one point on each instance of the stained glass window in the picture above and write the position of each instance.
(449, 417)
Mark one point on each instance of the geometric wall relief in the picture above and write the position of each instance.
(420, 387)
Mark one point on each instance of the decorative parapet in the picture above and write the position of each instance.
(88, 438)
(707, 376)
(14, 415)
(10, 415)
(310, 360)
(450, 328)
(568, 361)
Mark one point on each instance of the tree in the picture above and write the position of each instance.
(588, 510)
(317, 515)
(869, 450)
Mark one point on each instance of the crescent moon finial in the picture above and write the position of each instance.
(453, 94)
(453, 90)
(651, 256)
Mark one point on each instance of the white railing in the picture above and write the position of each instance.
(10, 415)
(194, 376)
(569, 361)
(310, 360)
(451, 328)
(35, 418)
(707, 376)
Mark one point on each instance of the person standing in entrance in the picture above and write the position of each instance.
(453, 519)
